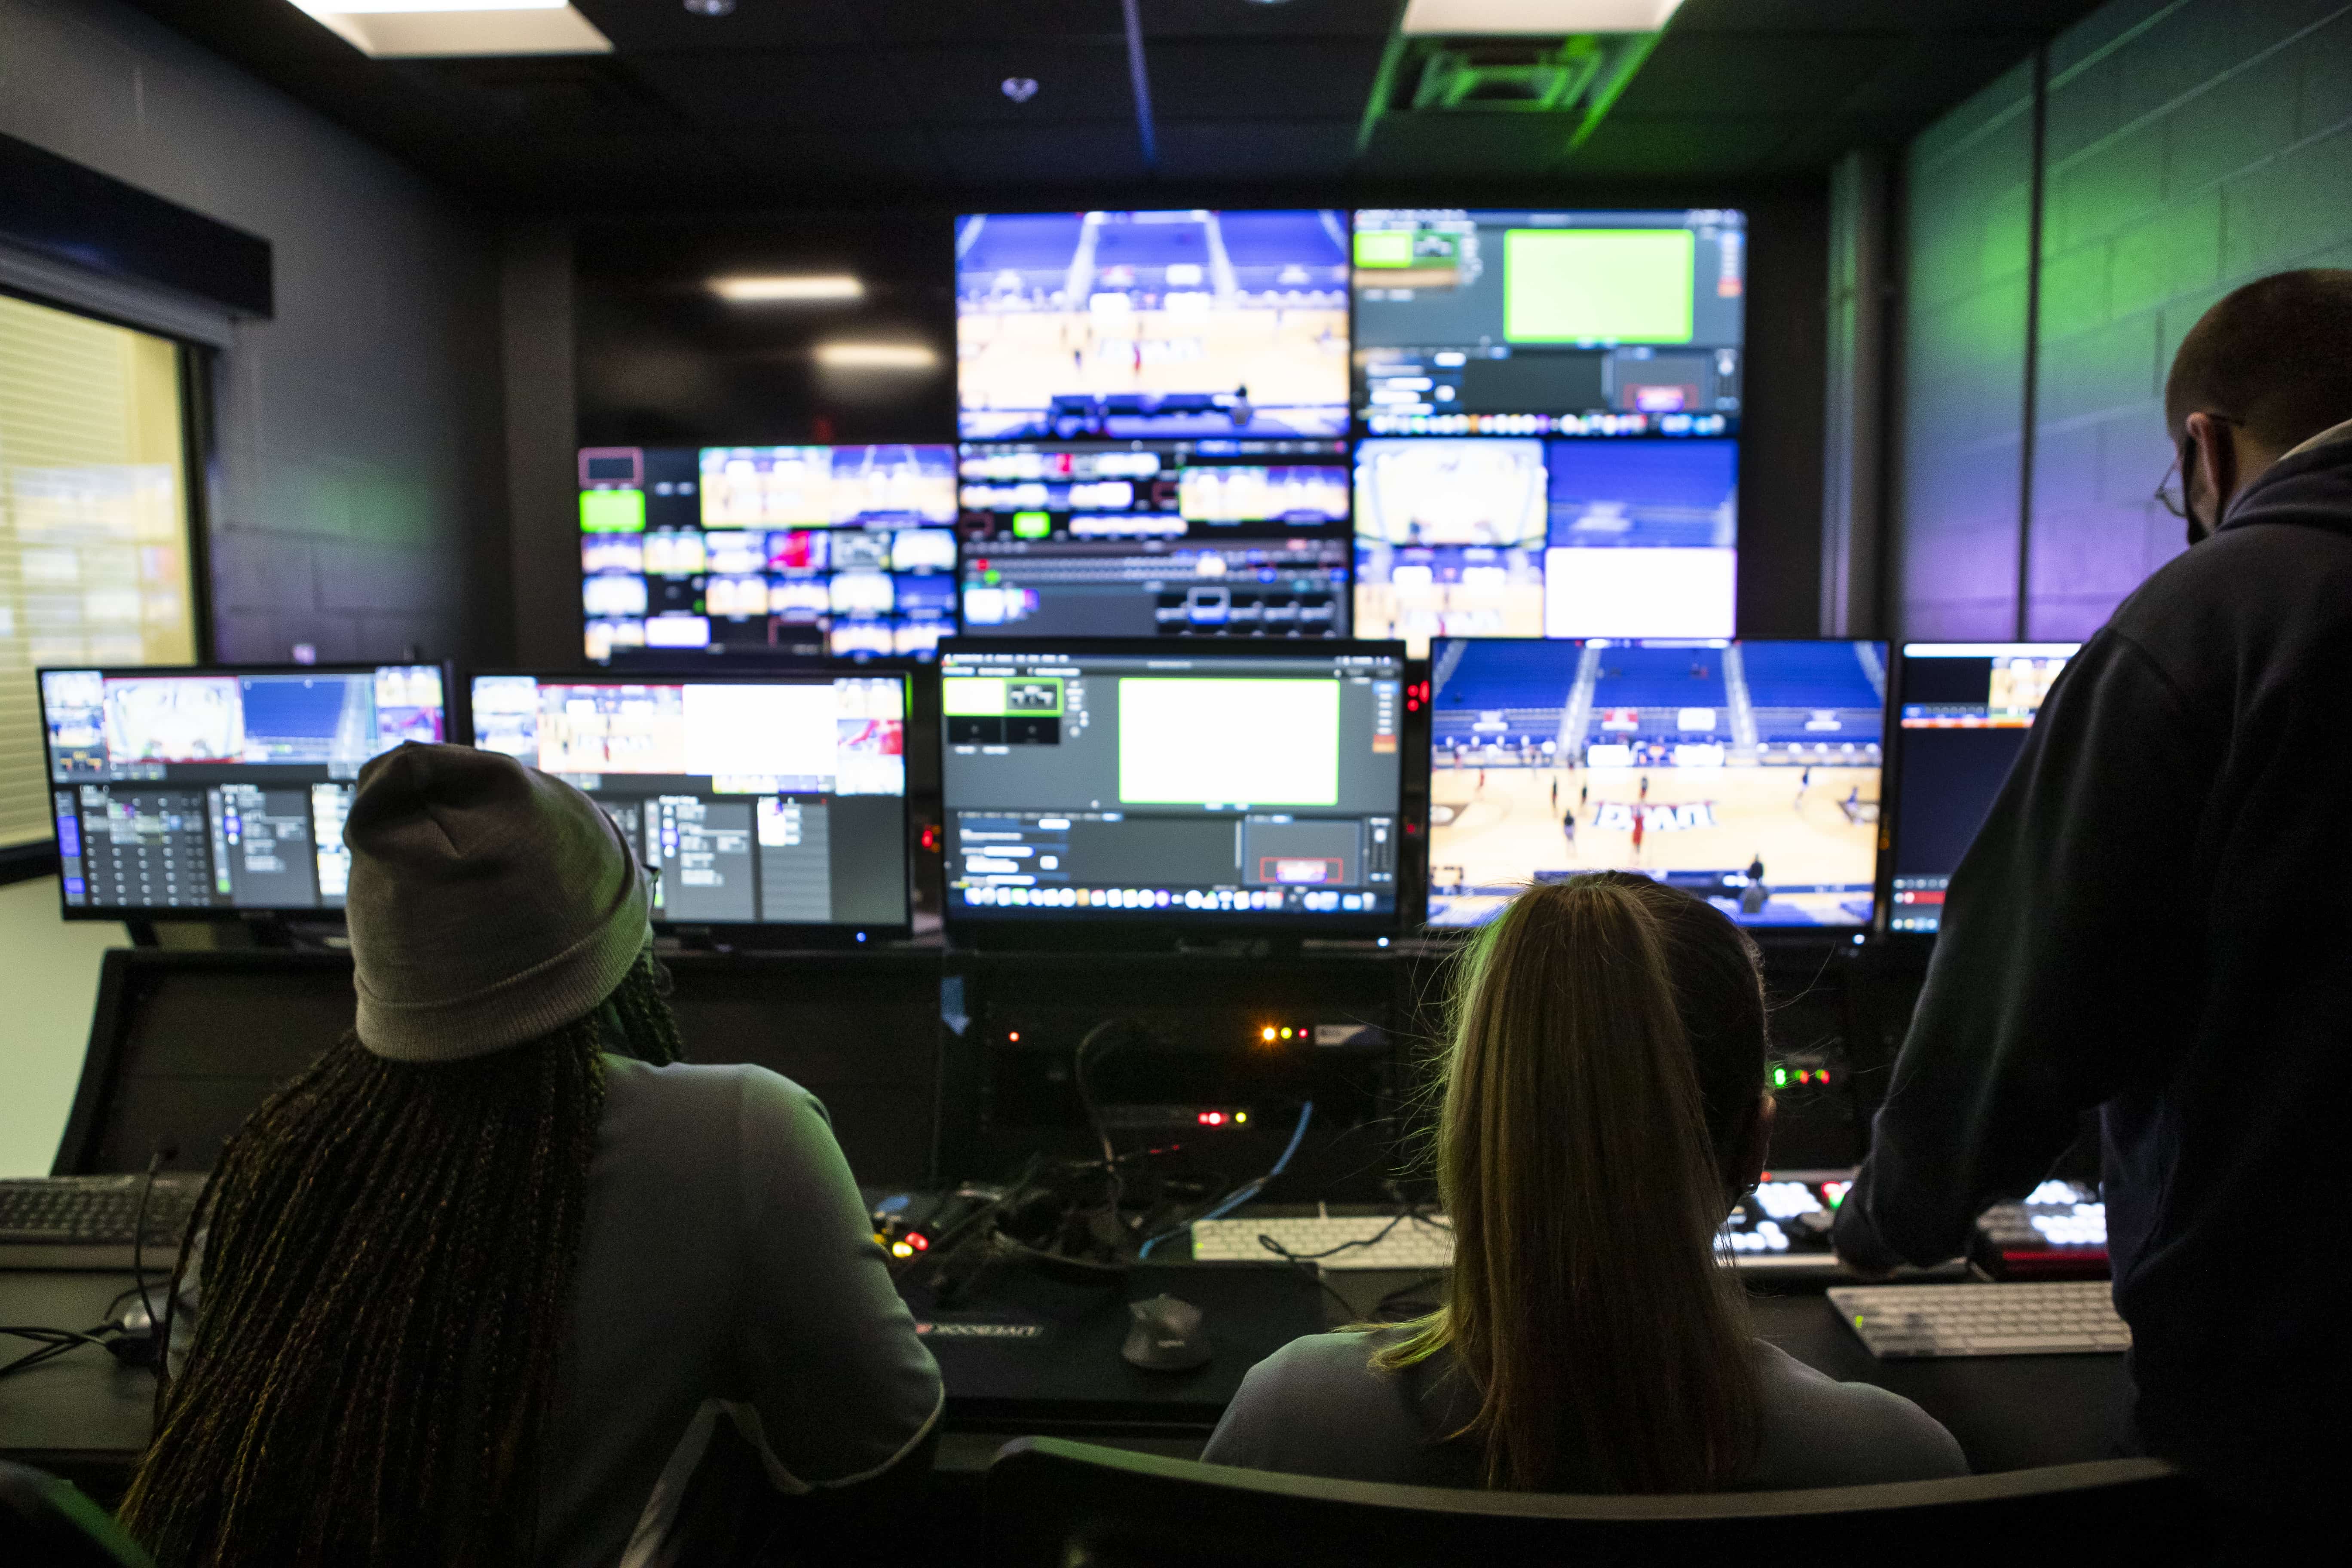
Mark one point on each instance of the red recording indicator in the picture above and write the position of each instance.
(1921, 896)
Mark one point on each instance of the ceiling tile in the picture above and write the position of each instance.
(1482, 146)
(1043, 155)
(1255, 149)
(666, 25)
(988, 21)
(1284, 79)
(1075, 82)
(1713, 75)
(1259, 19)
(854, 86)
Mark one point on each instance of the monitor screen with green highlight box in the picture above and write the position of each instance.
(1111, 783)
(1610, 325)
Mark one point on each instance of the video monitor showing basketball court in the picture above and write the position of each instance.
(1117, 325)
(1746, 771)
(1514, 536)
(1549, 323)
(1962, 711)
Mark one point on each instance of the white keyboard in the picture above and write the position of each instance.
(1411, 1243)
(2073, 1317)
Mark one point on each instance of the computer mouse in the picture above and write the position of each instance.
(1167, 1335)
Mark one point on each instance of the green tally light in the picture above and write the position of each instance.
(1779, 1078)
(1032, 524)
(1384, 247)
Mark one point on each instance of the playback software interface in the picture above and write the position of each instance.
(1566, 323)
(775, 801)
(185, 790)
(1964, 710)
(1214, 537)
(1198, 783)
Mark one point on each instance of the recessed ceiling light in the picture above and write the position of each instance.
(813, 285)
(395, 29)
(1543, 18)
(1020, 89)
(876, 356)
(712, 7)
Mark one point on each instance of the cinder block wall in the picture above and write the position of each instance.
(2189, 146)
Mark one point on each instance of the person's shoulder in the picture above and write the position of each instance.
(735, 1098)
(1820, 1432)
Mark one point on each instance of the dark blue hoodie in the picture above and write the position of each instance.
(2156, 920)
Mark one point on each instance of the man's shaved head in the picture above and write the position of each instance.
(2276, 356)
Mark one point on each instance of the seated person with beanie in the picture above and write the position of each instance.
(1604, 1106)
(490, 1279)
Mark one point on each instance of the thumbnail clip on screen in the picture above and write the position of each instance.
(775, 801)
(1117, 325)
(1214, 537)
(1746, 771)
(847, 551)
(185, 791)
(1517, 536)
(1529, 324)
(1206, 784)
(1963, 709)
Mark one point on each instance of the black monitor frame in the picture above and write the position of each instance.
(1122, 931)
(769, 935)
(1890, 794)
(455, 718)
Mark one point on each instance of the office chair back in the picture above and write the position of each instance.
(46, 1522)
(1056, 1504)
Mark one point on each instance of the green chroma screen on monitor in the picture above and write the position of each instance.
(1598, 285)
(1228, 742)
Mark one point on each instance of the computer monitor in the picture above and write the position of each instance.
(211, 790)
(1961, 712)
(1747, 771)
(1516, 536)
(847, 551)
(775, 800)
(1558, 322)
(1217, 537)
(1094, 784)
(1151, 324)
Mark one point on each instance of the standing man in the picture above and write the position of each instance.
(2150, 922)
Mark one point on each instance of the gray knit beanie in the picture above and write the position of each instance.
(490, 903)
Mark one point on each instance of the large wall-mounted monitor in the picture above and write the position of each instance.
(211, 790)
(1549, 322)
(1119, 325)
(1747, 771)
(775, 800)
(796, 550)
(1517, 536)
(1217, 537)
(1093, 784)
(1962, 710)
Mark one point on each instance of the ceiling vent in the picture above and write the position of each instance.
(1556, 89)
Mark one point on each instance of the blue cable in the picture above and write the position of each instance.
(1243, 1193)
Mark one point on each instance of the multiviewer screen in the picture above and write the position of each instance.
(218, 789)
(773, 801)
(841, 550)
(1584, 324)
(1168, 324)
(1514, 536)
(1218, 537)
(1964, 709)
(1746, 771)
(1241, 784)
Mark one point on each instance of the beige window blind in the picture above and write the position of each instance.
(93, 522)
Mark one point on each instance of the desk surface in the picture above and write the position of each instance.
(84, 1415)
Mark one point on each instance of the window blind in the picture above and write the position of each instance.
(94, 545)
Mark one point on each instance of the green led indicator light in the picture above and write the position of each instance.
(1032, 524)
(992, 576)
(1779, 1078)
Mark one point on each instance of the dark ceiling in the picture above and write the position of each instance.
(860, 101)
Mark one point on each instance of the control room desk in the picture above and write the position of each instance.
(85, 1416)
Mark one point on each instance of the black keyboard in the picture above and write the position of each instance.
(93, 1212)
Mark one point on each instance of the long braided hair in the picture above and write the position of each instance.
(386, 1270)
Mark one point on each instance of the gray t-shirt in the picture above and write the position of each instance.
(1317, 1407)
(728, 1271)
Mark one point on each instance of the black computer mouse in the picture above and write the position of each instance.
(1167, 1335)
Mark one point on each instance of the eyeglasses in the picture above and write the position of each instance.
(2174, 497)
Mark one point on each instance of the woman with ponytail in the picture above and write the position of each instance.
(1604, 1106)
(498, 1279)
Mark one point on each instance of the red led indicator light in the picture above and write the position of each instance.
(919, 1241)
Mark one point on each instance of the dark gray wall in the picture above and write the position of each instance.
(2191, 146)
(359, 500)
